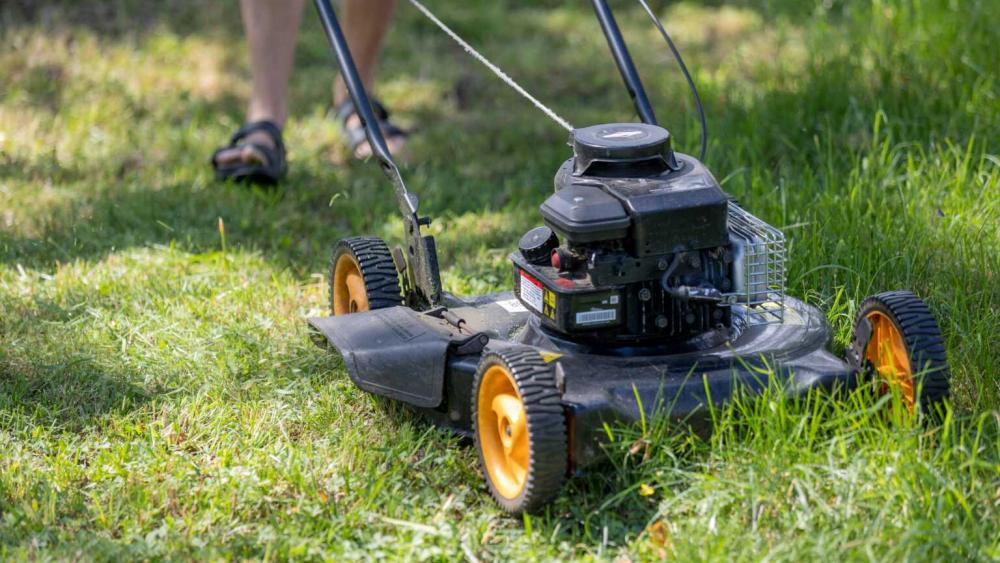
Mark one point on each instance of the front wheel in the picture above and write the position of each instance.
(897, 339)
(519, 428)
(362, 276)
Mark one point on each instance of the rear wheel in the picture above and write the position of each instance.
(363, 276)
(904, 348)
(519, 428)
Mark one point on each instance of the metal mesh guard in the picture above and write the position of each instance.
(763, 264)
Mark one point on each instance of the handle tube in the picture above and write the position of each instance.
(624, 61)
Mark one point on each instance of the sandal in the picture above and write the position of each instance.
(354, 135)
(266, 173)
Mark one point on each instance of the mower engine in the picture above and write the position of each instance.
(642, 245)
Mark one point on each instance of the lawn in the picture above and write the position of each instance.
(160, 397)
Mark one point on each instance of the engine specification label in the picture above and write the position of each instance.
(596, 317)
(593, 310)
(532, 292)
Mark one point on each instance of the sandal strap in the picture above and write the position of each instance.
(275, 156)
(356, 135)
(263, 126)
(346, 109)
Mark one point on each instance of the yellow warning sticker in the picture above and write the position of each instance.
(550, 304)
(550, 357)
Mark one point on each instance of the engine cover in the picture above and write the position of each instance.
(626, 183)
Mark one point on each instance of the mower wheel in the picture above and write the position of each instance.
(519, 428)
(904, 344)
(363, 276)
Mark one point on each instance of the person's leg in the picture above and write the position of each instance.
(271, 27)
(366, 23)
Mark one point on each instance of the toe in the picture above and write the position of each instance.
(229, 157)
(250, 155)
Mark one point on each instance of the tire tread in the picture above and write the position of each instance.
(377, 269)
(923, 339)
(547, 433)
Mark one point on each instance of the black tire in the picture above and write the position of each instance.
(548, 455)
(922, 339)
(373, 260)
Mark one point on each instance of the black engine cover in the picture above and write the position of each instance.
(666, 202)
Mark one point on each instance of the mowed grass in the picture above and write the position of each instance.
(160, 397)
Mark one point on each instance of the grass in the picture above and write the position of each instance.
(160, 397)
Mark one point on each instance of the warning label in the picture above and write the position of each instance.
(532, 292)
(550, 304)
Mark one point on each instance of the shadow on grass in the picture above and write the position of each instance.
(601, 509)
(286, 227)
(49, 377)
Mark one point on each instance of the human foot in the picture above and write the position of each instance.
(255, 155)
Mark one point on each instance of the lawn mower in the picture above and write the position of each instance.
(645, 291)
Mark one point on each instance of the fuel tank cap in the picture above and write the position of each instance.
(620, 144)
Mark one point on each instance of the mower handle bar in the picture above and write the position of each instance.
(630, 76)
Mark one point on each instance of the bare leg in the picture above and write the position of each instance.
(365, 25)
(271, 28)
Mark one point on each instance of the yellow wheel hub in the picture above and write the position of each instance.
(349, 295)
(503, 431)
(887, 352)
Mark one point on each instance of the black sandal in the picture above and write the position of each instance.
(354, 135)
(269, 173)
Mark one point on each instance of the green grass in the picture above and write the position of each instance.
(159, 394)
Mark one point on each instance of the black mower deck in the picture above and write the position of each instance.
(429, 362)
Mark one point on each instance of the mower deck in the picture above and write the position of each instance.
(428, 360)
